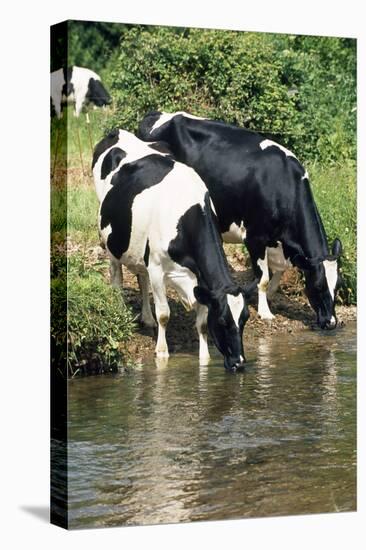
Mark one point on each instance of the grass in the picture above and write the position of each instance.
(76, 129)
(334, 190)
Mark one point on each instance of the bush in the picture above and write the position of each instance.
(99, 324)
(300, 90)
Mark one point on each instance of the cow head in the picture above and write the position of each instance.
(322, 279)
(227, 315)
(157, 125)
(148, 123)
(97, 93)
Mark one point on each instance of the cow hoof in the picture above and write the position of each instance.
(148, 323)
(266, 316)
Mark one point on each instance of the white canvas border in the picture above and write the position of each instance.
(25, 380)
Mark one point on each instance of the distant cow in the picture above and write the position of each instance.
(262, 196)
(155, 217)
(77, 86)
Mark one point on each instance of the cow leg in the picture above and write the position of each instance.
(259, 258)
(115, 271)
(78, 107)
(162, 310)
(274, 283)
(147, 318)
(201, 326)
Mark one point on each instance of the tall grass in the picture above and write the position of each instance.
(75, 135)
(82, 213)
(334, 190)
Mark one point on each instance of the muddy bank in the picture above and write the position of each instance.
(289, 305)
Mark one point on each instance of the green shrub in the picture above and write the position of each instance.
(98, 323)
(301, 90)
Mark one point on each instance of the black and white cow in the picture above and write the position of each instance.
(262, 196)
(155, 218)
(77, 86)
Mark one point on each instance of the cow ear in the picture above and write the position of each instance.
(337, 248)
(202, 295)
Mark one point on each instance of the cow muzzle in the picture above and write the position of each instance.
(234, 365)
(329, 324)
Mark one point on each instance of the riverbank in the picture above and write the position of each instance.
(289, 305)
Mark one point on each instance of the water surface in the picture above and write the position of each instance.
(180, 442)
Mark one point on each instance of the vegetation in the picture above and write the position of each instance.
(335, 194)
(99, 324)
(301, 90)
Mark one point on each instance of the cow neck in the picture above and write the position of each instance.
(208, 254)
(311, 237)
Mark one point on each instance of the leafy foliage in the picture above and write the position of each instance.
(88, 44)
(98, 321)
(301, 90)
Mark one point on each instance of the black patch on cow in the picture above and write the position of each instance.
(97, 93)
(162, 147)
(147, 253)
(111, 161)
(130, 180)
(107, 142)
(68, 87)
(198, 246)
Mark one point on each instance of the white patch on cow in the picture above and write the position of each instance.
(235, 234)
(105, 232)
(213, 207)
(305, 176)
(80, 80)
(331, 274)
(269, 143)
(236, 305)
(165, 117)
(57, 82)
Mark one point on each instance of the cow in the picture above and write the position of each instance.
(262, 197)
(77, 86)
(156, 218)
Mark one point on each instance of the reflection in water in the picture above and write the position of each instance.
(182, 442)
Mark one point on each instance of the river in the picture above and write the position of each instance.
(178, 442)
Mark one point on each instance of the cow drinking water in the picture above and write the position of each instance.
(156, 218)
(262, 197)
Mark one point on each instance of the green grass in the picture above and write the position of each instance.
(99, 324)
(69, 130)
(334, 190)
(83, 208)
